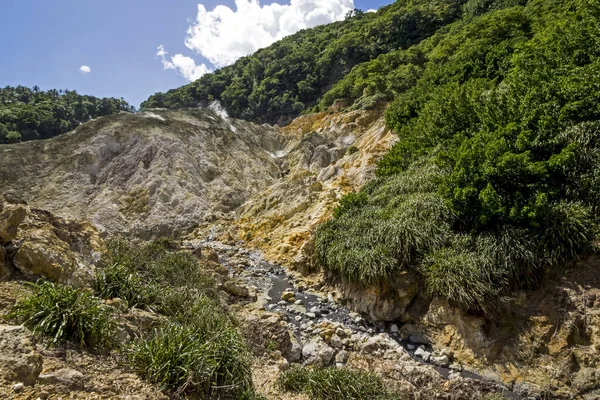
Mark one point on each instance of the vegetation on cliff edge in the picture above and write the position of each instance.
(494, 179)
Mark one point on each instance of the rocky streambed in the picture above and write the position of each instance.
(328, 333)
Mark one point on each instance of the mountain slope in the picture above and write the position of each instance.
(289, 77)
(148, 174)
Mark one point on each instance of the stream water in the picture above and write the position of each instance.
(310, 309)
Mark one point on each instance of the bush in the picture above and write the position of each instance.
(200, 354)
(493, 181)
(117, 280)
(63, 313)
(152, 277)
(333, 384)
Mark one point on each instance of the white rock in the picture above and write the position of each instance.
(394, 328)
(17, 387)
(310, 315)
(441, 361)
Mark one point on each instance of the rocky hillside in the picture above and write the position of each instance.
(149, 174)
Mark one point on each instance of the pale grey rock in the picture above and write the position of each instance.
(19, 359)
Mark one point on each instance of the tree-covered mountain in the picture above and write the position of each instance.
(289, 77)
(494, 180)
(29, 114)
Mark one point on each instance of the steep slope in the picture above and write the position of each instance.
(148, 174)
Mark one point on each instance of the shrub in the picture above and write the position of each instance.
(200, 354)
(333, 384)
(152, 277)
(117, 280)
(63, 313)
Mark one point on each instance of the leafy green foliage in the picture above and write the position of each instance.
(289, 77)
(151, 276)
(62, 313)
(202, 355)
(504, 110)
(199, 353)
(333, 384)
(28, 114)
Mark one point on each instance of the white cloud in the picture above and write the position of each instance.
(85, 69)
(372, 10)
(223, 35)
(185, 66)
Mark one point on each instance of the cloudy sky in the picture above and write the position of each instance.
(133, 48)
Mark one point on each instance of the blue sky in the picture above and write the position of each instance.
(46, 42)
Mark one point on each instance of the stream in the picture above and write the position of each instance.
(310, 309)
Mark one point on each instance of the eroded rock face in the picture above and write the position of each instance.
(45, 246)
(387, 301)
(325, 157)
(550, 342)
(149, 174)
(11, 216)
(60, 250)
(19, 360)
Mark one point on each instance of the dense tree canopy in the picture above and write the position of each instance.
(494, 180)
(28, 114)
(289, 77)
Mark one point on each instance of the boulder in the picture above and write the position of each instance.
(70, 378)
(11, 216)
(19, 359)
(387, 301)
(317, 352)
(236, 289)
(59, 250)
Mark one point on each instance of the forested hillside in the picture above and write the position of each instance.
(289, 77)
(28, 114)
(494, 181)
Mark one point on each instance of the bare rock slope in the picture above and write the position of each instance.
(147, 174)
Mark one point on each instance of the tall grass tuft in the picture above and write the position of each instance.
(333, 384)
(62, 313)
(201, 354)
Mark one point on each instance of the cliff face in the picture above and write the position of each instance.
(148, 174)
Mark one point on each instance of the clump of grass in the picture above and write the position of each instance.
(199, 354)
(117, 280)
(151, 276)
(62, 313)
(333, 384)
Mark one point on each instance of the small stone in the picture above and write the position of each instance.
(310, 315)
(284, 365)
(18, 387)
(341, 357)
(298, 302)
(456, 367)
(288, 296)
(441, 361)
(298, 318)
(454, 375)
(336, 342)
(394, 328)
(410, 346)
(282, 303)
(44, 395)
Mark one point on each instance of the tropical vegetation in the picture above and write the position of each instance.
(29, 114)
